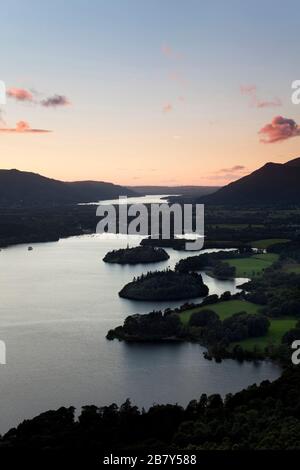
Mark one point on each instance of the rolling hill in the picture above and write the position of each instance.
(274, 183)
(20, 188)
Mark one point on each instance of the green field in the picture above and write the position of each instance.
(223, 309)
(292, 268)
(253, 265)
(263, 244)
(277, 329)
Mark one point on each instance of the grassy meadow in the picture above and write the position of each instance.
(278, 326)
(223, 309)
(292, 268)
(277, 329)
(264, 244)
(252, 266)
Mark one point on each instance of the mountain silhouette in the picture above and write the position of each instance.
(21, 188)
(274, 183)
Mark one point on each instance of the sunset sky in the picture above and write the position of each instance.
(139, 92)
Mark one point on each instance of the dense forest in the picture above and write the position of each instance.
(262, 417)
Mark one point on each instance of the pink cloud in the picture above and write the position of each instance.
(279, 129)
(178, 78)
(233, 168)
(251, 90)
(268, 104)
(167, 108)
(167, 51)
(2, 121)
(224, 177)
(23, 127)
(228, 174)
(55, 101)
(20, 94)
(248, 89)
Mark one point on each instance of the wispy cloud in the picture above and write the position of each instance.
(23, 127)
(233, 168)
(279, 129)
(169, 52)
(55, 101)
(178, 77)
(167, 108)
(23, 95)
(228, 174)
(20, 94)
(174, 75)
(248, 89)
(166, 50)
(268, 104)
(2, 121)
(251, 91)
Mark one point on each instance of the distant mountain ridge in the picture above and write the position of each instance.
(21, 188)
(174, 190)
(273, 183)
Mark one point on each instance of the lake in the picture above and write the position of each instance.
(57, 303)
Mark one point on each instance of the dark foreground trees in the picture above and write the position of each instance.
(261, 417)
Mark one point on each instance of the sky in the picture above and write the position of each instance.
(136, 92)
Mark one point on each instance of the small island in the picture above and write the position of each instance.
(136, 254)
(165, 285)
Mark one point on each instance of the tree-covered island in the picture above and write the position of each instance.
(165, 285)
(136, 254)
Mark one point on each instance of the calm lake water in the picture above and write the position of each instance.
(57, 304)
